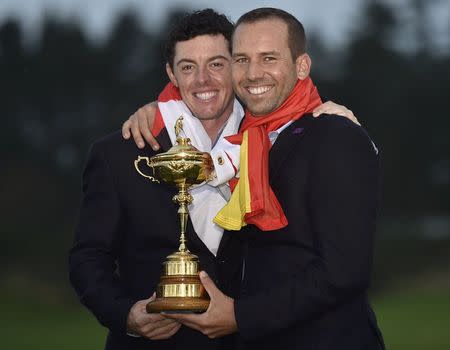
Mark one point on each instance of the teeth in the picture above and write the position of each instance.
(206, 95)
(258, 90)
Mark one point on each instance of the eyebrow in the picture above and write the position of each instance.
(185, 60)
(218, 57)
(272, 53)
(264, 53)
(188, 60)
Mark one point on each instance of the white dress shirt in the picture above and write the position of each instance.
(208, 198)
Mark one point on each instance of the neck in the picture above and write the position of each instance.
(213, 127)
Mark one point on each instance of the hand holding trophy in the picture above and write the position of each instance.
(179, 289)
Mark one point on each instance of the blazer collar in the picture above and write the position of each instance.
(285, 141)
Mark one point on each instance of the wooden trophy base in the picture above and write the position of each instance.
(178, 305)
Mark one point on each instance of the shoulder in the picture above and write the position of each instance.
(341, 132)
(331, 122)
(115, 153)
(114, 145)
(111, 140)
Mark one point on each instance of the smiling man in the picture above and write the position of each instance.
(203, 79)
(128, 226)
(311, 202)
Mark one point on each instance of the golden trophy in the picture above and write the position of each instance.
(179, 288)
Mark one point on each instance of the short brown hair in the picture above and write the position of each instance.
(203, 22)
(296, 31)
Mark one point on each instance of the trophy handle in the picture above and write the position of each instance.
(136, 165)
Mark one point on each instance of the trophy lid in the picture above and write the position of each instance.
(182, 164)
(182, 150)
(182, 256)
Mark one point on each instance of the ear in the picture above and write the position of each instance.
(303, 63)
(172, 77)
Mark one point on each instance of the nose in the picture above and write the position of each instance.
(254, 71)
(202, 75)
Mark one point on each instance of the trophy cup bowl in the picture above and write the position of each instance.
(179, 288)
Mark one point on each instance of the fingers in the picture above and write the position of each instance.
(140, 125)
(152, 324)
(328, 107)
(148, 326)
(145, 119)
(353, 118)
(162, 329)
(135, 131)
(209, 285)
(192, 321)
(166, 333)
(126, 126)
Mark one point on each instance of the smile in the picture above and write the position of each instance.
(207, 95)
(258, 90)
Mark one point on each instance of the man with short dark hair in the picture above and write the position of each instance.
(128, 226)
(305, 279)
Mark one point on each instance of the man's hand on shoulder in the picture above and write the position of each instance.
(151, 326)
(140, 124)
(330, 107)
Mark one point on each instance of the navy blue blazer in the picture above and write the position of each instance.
(305, 286)
(127, 226)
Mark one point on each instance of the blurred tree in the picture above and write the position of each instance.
(67, 91)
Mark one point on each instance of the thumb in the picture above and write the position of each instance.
(146, 301)
(208, 284)
(142, 304)
(153, 297)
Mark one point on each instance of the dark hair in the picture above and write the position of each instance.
(296, 32)
(203, 22)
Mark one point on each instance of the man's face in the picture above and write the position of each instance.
(264, 72)
(202, 72)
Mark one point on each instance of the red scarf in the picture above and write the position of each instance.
(266, 212)
(169, 93)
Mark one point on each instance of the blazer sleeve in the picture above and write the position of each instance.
(343, 199)
(92, 259)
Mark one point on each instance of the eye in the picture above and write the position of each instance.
(241, 60)
(187, 67)
(269, 58)
(216, 65)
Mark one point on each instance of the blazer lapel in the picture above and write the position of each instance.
(223, 243)
(285, 141)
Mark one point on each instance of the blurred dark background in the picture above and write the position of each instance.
(64, 91)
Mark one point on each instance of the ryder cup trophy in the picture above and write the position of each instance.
(179, 288)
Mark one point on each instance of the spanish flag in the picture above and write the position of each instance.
(252, 200)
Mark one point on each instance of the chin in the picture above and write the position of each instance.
(258, 111)
(208, 116)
